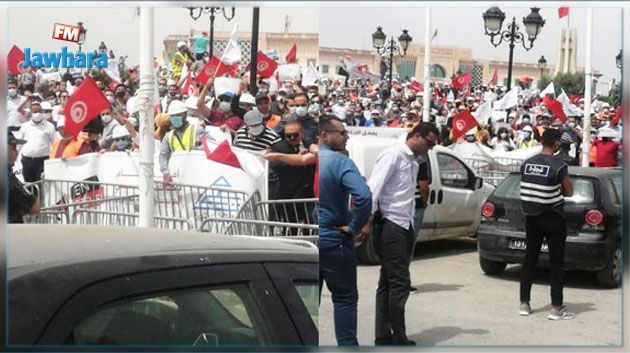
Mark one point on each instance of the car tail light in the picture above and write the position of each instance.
(594, 218)
(487, 210)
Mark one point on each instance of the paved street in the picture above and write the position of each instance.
(457, 305)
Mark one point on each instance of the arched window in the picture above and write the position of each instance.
(437, 71)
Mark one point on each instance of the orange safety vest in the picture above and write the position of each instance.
(273, 121)
(73, 148)
(57, 148)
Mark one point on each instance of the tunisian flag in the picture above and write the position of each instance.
(16, 58)
(563, 11)
(265, 66)
(292, 54)
(463, 122)
(461, 80)
(87, 101)
(555, 107)
(214, 68)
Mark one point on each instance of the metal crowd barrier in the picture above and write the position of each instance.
(261, 228)
(494, 170)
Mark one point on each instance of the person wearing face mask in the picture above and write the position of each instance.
(503, 142)
(340, 108)
(109, 124)
(39, 135)
(528, 138)
(121, 140)
(219, 113)
(544, 181)
(309, 124)
(14, 96)
(171, 95)
(47, 110)
(470, 137)
(254, 135)
(162, 87)
(120, 93)
(183, 137)
(263, 105)
(242, 104)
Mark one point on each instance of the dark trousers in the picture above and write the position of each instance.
(394, 245)
(338, 268)
(550, 226)
(32, 168)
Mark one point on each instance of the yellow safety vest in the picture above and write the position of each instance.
(524, 144)
(177, 67)
(188, 140)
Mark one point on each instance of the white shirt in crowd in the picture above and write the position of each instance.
(339, 111)
(393, 184)
(39, 138)
(14, 117)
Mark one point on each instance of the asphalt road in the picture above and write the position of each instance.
(457, 305)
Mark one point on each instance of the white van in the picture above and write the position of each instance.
(455, 197)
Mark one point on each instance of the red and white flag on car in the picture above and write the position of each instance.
(83, 106)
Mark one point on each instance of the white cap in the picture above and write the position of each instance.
(120, 131)
(470, 132)
(375, 112)
(181, 44)
(247, 99)
(606, 132)
(528, 128)
(171, 82)
(176, 107)
(133, 105)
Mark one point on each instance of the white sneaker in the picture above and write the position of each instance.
(561, 314)
(524, 309)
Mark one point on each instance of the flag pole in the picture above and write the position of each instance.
(566, 39)
(588, 81)
(146, 183)
(427, 68)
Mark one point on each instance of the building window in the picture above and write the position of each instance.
(437, 71)
(325, 69)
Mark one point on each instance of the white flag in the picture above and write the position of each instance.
(273, 82)
(489, 96)
(550, 89)
(112, 70)
(69, 87)
(569, 108)
(483, 113)
(450, 97)
(508, 101)
(232, 52)
(310, 75)
(226, 84)
(289, 72)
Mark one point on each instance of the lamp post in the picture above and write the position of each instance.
(82, 32)
(542, 64)
(382, 46)
(212, 11)
(493, 21)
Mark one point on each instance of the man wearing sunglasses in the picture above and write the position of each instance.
(393, 184)
(339, 178)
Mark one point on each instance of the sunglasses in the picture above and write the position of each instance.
(292, 136)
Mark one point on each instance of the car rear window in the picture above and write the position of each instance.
(510, 188)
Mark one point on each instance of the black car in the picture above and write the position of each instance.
(593, 216)
(87, 285)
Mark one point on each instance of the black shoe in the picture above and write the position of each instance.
(383, 342)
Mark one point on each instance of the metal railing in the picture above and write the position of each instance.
(494, 170)
(261, 228)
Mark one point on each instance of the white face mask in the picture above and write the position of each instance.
(293, 110)
(106, 118)
(12, 92)
(503, 135)
(224, 106)
(37, 117)
(301, 111)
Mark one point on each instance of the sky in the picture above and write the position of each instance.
(119, 27)
(458, 23)
(461, 25)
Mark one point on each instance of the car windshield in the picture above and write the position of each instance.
(583, 191)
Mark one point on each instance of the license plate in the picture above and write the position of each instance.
(517, 244)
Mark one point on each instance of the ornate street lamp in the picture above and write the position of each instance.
(382, 46)
(493, 22)
(196, 12)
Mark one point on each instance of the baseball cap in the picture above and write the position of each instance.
(254, 121)
(181, 44)
(262, 96)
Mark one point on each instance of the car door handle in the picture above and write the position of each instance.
(440, 195)
(432, 197)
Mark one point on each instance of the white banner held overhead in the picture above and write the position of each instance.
(226, 84)
(289, 72)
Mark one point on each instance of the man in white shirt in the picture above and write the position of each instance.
(339, 110)
(39, 135)
(393, 184)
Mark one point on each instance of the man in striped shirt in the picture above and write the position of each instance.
(254, 135)
(544, 183)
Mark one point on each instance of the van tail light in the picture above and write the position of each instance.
(487, 210)
(594, 218)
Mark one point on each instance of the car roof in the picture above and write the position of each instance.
(591, 172)
(40, 244)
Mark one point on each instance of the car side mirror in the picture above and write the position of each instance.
(478, 182)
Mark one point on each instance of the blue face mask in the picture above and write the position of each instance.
(527, 135)
(122, 145)
(177, 121)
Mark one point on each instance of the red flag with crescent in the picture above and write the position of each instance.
(461, 80)
(86, 102)
(265, 66)
(215, 68)
(463, 122)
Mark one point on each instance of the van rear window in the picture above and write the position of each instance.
(510, 188)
